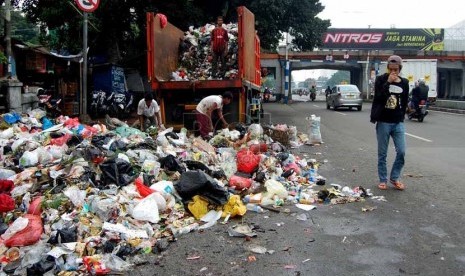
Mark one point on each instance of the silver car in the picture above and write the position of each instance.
(344, 95)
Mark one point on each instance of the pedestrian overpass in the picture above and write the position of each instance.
(360, 64)
(363, 64)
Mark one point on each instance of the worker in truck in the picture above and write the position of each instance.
(149, 112)
(219, 46)
(206, 107)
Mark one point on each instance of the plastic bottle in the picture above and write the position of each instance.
(254, 208)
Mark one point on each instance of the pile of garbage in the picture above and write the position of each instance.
(195, 55)
(94, 197)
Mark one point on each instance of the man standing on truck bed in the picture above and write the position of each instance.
(205, 109)
(219, 44)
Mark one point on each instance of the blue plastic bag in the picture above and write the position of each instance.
(11, 118)
(46, 123)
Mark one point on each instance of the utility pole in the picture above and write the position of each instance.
(9, 55)
(11, 83)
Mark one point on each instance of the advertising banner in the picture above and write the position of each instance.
(384, 39)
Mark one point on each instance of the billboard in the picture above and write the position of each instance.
(384, 39)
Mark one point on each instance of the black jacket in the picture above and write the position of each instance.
(379, 112)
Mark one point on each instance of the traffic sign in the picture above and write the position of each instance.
(87, 5)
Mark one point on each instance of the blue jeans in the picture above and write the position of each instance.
(383, 132)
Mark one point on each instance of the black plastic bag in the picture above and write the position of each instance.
(172, 164)
(64, 236)
(118, 145)
(3, 227)
(173, 135)
(100, 140)
(40, 268)
(199, 183)
(117, 171)
(196, 165)
(260, 177)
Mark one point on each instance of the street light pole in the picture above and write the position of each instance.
(84, 65)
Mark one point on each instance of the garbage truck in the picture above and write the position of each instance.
(178, 99)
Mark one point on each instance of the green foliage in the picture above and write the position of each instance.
(338, 78)
(117, 28)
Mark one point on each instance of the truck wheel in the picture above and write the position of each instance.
(420, 118)
(328, 106)
(359, 108)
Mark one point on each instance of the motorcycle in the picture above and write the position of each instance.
(101, 103)
(266, 97)
(49, 104)
(420, 112)
(121, 104)
(313, 96)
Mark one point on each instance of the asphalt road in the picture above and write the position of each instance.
(418, 231)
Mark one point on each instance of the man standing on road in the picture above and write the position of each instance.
(388, 112)
(147, 109)
(219, 46)
(205, 109)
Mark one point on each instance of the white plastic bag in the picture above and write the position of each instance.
(147, 209)
(29, 158)
(314, 129)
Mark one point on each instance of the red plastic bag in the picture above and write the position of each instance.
(141, 188)
(247, 162)
(6, 186)
(163, 20)
(35, 207)
(72, 123)
(257, 148)
(29, 235)
(7, 203)
(61, 141)
(240, 183)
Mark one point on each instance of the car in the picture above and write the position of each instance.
(344, 95)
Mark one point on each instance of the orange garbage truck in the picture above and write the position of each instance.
(178, 99)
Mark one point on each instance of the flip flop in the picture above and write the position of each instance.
(398, 185)
(382, 186)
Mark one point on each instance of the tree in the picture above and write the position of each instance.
(117, 28)
(22, 29)
(338, 78)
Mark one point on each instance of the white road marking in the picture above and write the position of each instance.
(419, 138)
(341, 113)
(315, 105)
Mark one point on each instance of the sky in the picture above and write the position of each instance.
(387, 14)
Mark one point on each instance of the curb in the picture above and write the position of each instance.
(450, 110)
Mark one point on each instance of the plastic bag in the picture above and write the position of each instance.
(7, 203)
(61, 141)
(6, 186)
(7, 133)
(147, 209)
(198, 207)
(314, 132)
(255, 131)
(240, 183)
(247, 162)
(117, 171)
(29, 235)
(194, 183)
(11, 118)
(141, 188)
(35, 207)
(76, 195)
(172, 164)
(29, 159)
(163, 20)
(46, 123)
(234, 207)
(258, 148)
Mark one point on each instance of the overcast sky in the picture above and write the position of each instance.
(384, 14)
(401, 13)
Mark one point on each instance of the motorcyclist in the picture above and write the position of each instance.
(312, 92)
(327, 91)
(419, 93)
